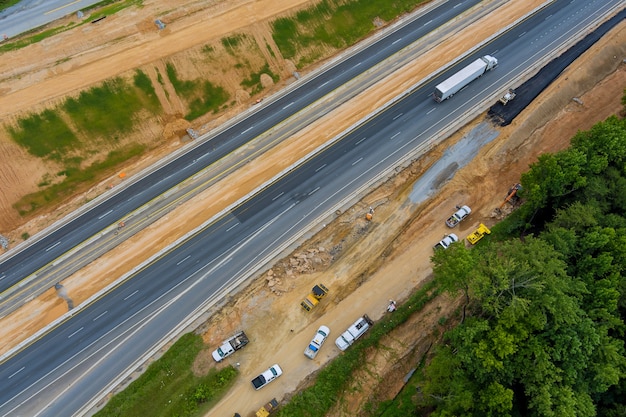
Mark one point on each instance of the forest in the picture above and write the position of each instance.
(542, 323)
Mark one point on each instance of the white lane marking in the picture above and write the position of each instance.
(322, 85)
(521, 34)
(16, 372)
(183, 260)
(357, 64)
(398, 116)
(2, 277)
(396, 41)
(357, 161)
(430, 111)
(75, 332)
(100, 315)
(54, 246)
(128, 296)
(247, 130)
(428, 23)
(548, 17)
(232, 227)
(288, 105)
(311, 193)
(457, 5)
(360, 140)
(393, 137)
(320, 168)
(136, 327)
(278, 196)
(105, 214)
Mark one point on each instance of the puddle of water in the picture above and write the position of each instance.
(455, 157)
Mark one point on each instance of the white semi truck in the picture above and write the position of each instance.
(462, 78)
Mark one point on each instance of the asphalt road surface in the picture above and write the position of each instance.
(74, 362)
(45, 253)
(31, 14)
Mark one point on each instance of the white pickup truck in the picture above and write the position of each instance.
(229, 346)
(446, 241)
(355, 331)
(458, 216)
(266, 377)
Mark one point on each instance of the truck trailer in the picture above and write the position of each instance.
(462, 78)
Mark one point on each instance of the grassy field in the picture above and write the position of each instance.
(169, 388)
(201, 96)
(333, 23)
(98, 117)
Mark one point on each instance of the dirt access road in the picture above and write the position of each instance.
(100, 273)
(356, 259)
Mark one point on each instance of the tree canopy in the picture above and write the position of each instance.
(545, 296)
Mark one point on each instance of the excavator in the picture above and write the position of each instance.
(511, 197)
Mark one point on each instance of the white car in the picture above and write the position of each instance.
(446, 241)
(317, 342)
(266, 377)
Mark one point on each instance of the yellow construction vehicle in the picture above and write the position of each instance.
(267, 409)
(478, 234)
(317, 293)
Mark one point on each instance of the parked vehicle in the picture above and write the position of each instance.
(478, 234)
(229, 346)
(458, 216)
(454, 83)
(266, 377)
(446, 241)
(317, 293)
(267, 409)
(316, 343)
(355, 331)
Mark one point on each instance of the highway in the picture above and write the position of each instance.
(73, 363)
(31, 14)
(48, 252)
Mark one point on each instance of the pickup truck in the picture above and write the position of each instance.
(355, 331)
(446, 241)
(458, 216)
(266, 377)
(229, 346)
(317, 342)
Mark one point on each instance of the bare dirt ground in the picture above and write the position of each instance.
(364, 264)
(44, 309)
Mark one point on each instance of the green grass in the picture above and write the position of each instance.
(5, 4)
(230, 43)
(143, 83)
(44, 135)
(169, 388)
(201, 96)
(106, 110)
(254, 80)
(75, 177)
(334, 23)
